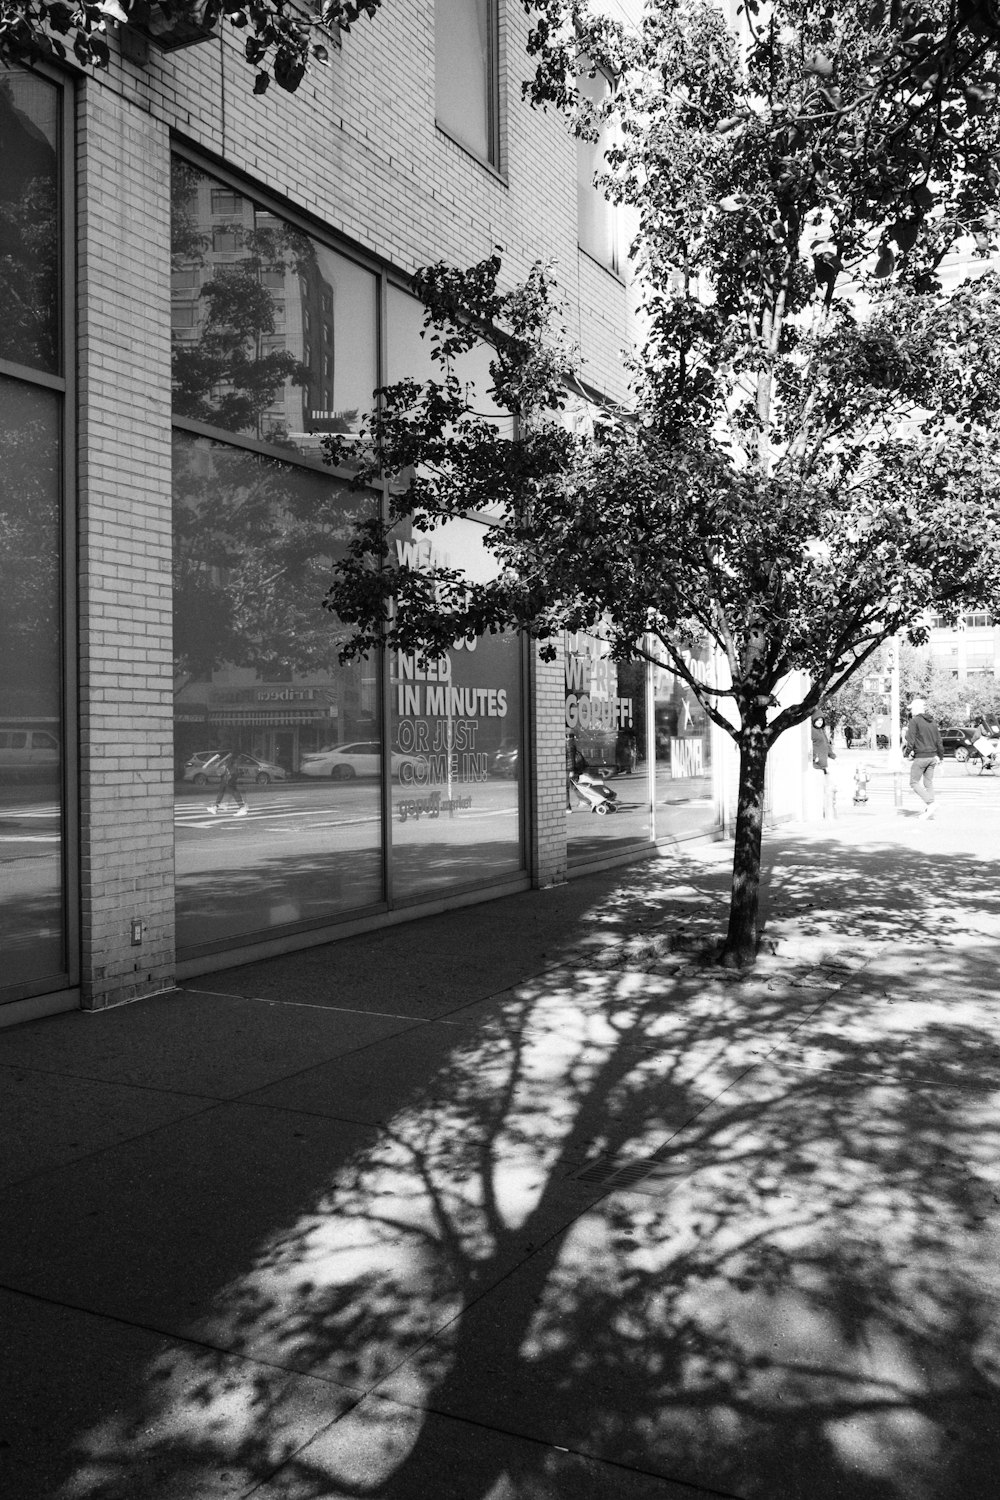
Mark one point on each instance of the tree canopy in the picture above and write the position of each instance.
(808, 462)
(935, 47)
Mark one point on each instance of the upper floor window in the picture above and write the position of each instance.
(980, 620)
(597, 225)
(467, 93)
(30, 239)
(251, 296)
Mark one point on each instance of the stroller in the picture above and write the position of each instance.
(861, 778)
(593, 790)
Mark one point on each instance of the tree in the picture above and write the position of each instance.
(810, 461)
(935, 47)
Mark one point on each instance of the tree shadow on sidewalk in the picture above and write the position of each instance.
(794, 1292)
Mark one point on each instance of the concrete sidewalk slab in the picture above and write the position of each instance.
(49, 1120)
(97, 1407)
(207, 1046)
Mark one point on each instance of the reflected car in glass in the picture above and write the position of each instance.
(28, 754)
(205, 766)
(358, 758)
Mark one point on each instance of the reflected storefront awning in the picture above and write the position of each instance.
(276, 718)
(280, 718)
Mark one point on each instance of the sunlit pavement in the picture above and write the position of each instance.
(531, 1202)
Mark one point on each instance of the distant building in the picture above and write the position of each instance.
(969, 649)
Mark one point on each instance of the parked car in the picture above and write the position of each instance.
(958, 741)
(204, 766)
(358, 758)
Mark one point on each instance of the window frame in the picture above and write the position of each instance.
(494, 144)
(614, 263)
(64, 384)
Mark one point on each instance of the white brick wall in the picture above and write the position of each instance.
(126, 657)
(548, 792)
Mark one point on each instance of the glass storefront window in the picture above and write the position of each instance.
(274, 333)
(455, 745)
(606, 739)
(31, 720)
(274, 338)
(29, 221)
(256, 674)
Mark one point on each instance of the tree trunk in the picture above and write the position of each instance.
(740, 947)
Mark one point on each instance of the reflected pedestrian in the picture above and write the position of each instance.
(925, 745)
(229, 778)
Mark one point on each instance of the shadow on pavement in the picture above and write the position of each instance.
(736, 1233)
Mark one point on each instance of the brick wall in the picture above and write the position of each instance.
(548, 790)
(126, 684)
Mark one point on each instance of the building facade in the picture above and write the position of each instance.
(970, 648)
(199, 283)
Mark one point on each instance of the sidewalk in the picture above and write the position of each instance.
(526, 1202)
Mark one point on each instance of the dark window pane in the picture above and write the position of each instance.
(257, 672)
(245, 365)
(465, 42)
(29, 220)
(31, 872)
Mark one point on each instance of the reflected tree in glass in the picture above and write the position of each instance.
(253, 543)
(231, 370)
(29, 221)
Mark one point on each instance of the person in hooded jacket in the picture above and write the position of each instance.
(924, 743)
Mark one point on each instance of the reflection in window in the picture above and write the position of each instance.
(683, 799)
(606, 738)
(466, 78)
(29, 220)
(31, 876)
(455, 743)
(273, 280)
(409, 357)
(256, 671)
(596, 219)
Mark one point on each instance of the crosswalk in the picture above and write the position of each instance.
(290, 812)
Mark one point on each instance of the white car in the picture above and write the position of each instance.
(359, 758)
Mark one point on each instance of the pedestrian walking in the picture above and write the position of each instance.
(229, 778)
(926, 748)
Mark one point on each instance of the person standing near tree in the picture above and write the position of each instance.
(925, 745)
(822, 753)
